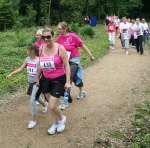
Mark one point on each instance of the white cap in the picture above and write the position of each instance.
(39, 32)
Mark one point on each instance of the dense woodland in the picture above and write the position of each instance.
(26, 13)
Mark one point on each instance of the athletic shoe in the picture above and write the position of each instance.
(52, 129)
(37, 103)
(113, 48)
(32, 124)
(127, 52)
(81, 95)
(45, 108)
(61, 124)
(63, 106)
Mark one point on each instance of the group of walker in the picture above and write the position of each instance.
(52, 66)
(134, 32)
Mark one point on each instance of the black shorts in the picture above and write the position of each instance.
(74, 70)
(55, 87)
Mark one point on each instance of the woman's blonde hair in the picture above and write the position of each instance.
(64, 25)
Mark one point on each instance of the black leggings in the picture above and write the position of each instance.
(132, 40)
(139, 44)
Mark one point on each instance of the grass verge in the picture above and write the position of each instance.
(13, 52)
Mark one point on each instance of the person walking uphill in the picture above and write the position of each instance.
(124, 31)
(111, 28)
(72, 42)
(138, 35)
(31, 63)
(55, 71)
(146, 31)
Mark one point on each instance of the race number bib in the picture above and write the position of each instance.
(47, 63)
(111, 28)
(31, 69)
(125, 30)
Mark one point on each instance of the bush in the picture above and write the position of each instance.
(87, 31)
(138, 136)
(74, 27)
(22, 39)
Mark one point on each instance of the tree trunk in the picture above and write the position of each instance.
(49, 12)
(98, 10)
(87, 7)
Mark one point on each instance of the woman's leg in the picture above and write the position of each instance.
(53, 103)
(110, 39)
(33, 122)
(126, 42)
(141, 44)
(59, 119)
(113, 39)
(137, 45)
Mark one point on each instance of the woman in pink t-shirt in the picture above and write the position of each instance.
(72, 42)
(38, 39)
(55, 71)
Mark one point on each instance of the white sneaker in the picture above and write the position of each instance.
(127, 52)
(45, 108)
(37, 103)
(52, 129)
(81, 95)
(32, 124)
(61, 124)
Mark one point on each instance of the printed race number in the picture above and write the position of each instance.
(47, 63)
(111, 28)
(32, 71)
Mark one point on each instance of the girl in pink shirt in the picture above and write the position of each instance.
(71, 43)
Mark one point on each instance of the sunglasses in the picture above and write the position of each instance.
(46, 37)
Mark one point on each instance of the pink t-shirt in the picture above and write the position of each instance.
(39, 43)
(111, 27)
(52, 66)
(71, 43)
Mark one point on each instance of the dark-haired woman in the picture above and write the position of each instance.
(55, 70)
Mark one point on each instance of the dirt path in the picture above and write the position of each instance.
(114, 85)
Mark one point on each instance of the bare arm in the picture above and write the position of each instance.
(85, 48)
(18, 70)
(64, 56)
(38, 75)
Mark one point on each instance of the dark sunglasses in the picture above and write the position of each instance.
(46, 37)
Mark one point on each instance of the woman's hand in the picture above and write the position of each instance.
(92, 58)
(9, 76)
(67, 85)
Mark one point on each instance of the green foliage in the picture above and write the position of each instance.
(87, 31)
(22, 39)
(139, 135)
(6, 15)
(74, 27)
(21, 13)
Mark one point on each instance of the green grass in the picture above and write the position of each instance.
(138, 135)
(13, 45)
